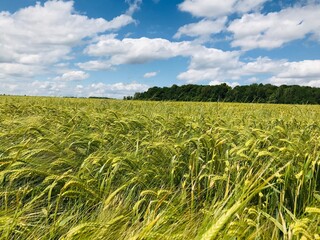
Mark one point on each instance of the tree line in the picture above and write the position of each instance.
(254, 93)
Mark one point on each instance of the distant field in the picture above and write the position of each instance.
(108, 169)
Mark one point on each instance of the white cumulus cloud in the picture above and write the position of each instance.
(116, 90)
(143, 50)
(207, 8)
(218, 8)
(18, 70)
(67, 88)
(38, 36)
(150, 74)
(134, 5)
(205, 63)
(202, 29)
(274, 29)
(130, 50)
(73, 76)
(95, 65)
(306, 72)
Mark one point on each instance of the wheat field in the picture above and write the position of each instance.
(111, 169)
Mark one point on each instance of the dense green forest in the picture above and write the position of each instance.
(257, 93)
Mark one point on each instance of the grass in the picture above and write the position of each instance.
(107, 169)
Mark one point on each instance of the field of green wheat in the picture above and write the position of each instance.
(108, 169)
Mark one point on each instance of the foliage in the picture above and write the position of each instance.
(107, 169)
(255, 93)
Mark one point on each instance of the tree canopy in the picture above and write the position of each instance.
(254, 93)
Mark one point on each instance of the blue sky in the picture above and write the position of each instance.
(115, 48)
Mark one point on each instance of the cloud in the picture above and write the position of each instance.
(243, 6)
(206, 58)
(47, 87)
(73, 76)
(205, 63)
(305, 72)
(134, 5)
(18, 70)
(208, 64)
(301, 69)
(262, 69)
(95, 65)
(253, 29)
(150, 74)
(314, 83)
(119, 22)
(294, 81)
(67, 88)
(9, 88)
(281, 71)
(207, 8)
(262, 65)
(143, 50)
(116, 90)
(196, 75)
(274, 29)
(217, 8)
(35, 37)
(135, 51)
(202, 29)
